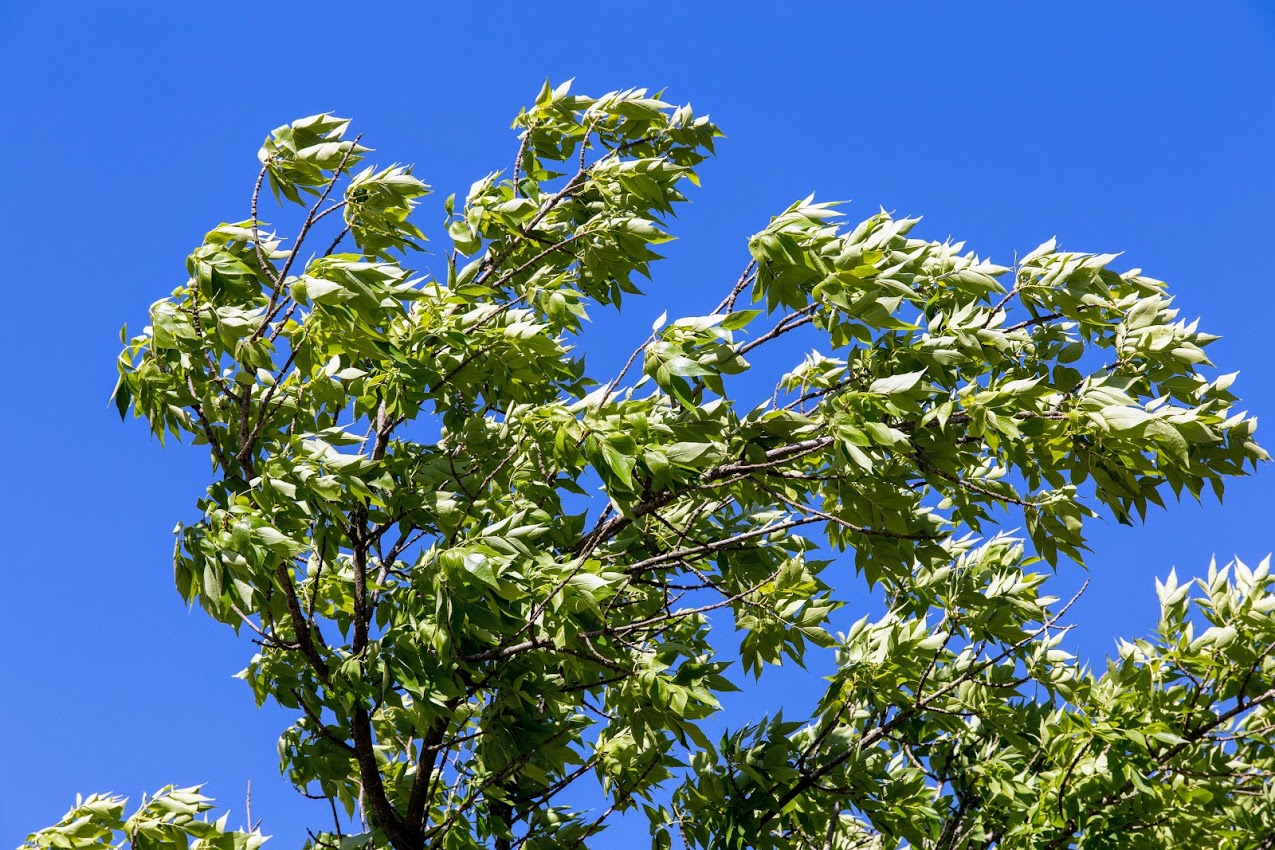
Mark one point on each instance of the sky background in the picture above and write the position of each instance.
(130, 129)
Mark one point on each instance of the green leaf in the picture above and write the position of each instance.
(896, 384)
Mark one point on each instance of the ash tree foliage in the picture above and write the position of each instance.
(503, 596)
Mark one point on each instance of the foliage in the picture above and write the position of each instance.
(162, 822)
(401, 514)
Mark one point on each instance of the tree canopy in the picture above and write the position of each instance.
(503, 595)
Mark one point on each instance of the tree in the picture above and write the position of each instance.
(400, 516)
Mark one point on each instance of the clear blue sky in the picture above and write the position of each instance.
(129, 129)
